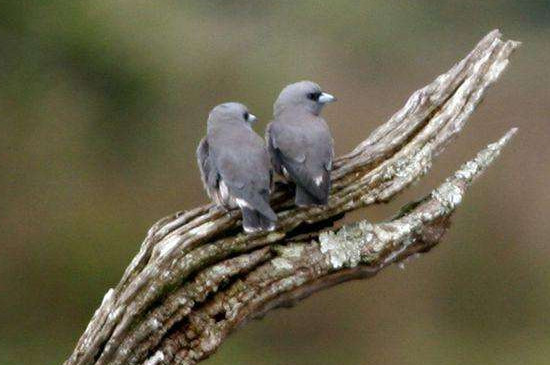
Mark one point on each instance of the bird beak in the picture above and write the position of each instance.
(326, 98)
(252, 118)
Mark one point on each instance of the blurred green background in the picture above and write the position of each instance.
(102, 104)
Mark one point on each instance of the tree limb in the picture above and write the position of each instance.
(197, 278)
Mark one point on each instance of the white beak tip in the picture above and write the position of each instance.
(326, 98)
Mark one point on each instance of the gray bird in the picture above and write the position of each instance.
(235, 166)
(300, 143)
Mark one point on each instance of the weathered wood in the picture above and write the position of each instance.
(197, 277)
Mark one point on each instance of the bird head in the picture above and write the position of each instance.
(303, 94)
(230, 114)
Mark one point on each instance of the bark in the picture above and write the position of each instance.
(197, 277)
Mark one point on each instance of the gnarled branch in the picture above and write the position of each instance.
(197, 277)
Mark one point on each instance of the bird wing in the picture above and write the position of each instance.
(305, 153)
(282, 137)
(246, 170)
(208, 170)
(273, 149)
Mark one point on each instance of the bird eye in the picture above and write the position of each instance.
(246, 115)
(314, 96)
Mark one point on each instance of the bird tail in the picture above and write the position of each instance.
(254, 221)
(257, 213)
(260, 203)
(304, 198)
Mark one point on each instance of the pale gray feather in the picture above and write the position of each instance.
(235, 166)
(300, 143)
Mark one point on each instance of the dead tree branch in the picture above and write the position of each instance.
(197, 278)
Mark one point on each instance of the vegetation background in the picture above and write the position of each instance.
(102, 104)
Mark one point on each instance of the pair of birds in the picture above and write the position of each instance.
(236, 167)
